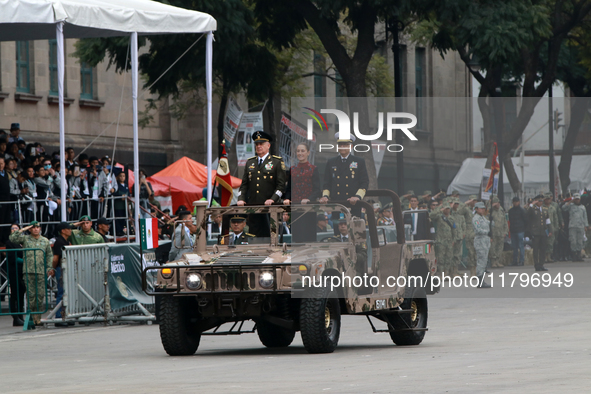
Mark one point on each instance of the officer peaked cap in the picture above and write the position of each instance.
(261, 136)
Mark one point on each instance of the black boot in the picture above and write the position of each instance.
(17, 321)
(482, 284)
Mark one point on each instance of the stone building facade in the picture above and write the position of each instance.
(97, 101)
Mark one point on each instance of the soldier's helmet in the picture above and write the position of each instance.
(479, 204)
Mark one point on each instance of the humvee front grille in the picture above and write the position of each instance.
(230, 281)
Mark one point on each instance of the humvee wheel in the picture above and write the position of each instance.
(177, 336)
(416, 300)
(272, 335)
(320, 322)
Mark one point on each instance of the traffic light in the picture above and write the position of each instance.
(557, 119)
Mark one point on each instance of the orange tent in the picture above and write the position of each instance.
(180, 191)
(193, 172)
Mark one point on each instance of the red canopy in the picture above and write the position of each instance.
(181, 191)
(193, 172)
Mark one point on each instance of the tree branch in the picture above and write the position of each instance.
(327, 35)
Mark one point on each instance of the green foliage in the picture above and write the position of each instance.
(494, 31)
(380, 78)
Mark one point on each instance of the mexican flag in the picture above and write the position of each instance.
(224, 179)
(149, 232)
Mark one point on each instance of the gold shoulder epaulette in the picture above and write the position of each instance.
(278, 157)
(254, 157)
(250, 235)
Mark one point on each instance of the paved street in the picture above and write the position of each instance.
(537, 345)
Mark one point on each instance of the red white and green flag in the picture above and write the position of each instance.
(224, 179)
(149, 233)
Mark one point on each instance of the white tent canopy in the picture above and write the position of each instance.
(35, 19)
(467, 180)
(25, 20)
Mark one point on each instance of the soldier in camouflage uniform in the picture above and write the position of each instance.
(38, 263)
(458, 247)
(482, 241)
(405, 200)
(500, 229)
(577, 224)
(467, 211)
(557, 221)
(445, 234)
(540, 228)
(85, 236)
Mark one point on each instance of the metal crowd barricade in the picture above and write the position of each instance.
(106, 209)
(85, 270)
(11, 274)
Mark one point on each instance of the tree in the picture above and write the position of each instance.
(574, 70)
(509, 38)
(282, 20)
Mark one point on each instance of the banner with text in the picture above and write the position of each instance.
(125, 275)
(231, 121)
(250, 122)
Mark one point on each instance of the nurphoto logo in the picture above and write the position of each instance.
(344, 128)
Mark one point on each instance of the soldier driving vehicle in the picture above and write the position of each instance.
(285, 288)
(238, 236)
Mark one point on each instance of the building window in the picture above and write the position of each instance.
(319, 80)
(53, 86)
(339, 90)
(23, 80)
(86, 82)
(319, 87)
(420, 88)
(402, 67)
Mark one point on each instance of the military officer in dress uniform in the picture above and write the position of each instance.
(345, 177)
(238, 236)
(263, 182)
(540, 228)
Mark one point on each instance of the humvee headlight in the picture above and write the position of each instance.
(303, 270)
(166, 273)
(193, 281)
(266, 280)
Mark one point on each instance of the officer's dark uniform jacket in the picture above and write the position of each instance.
(345, 179)
(538, 221)
(260, 183)
(243, 239)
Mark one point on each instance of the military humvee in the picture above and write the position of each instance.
(276, 283)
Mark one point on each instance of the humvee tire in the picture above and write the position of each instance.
(320, 322)
(416, 299)
(177, 336)
(272, 335)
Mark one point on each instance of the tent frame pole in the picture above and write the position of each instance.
(59, 35)
(208, 81)
(136, 153)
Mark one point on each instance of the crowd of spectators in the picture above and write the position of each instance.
(30, 189)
